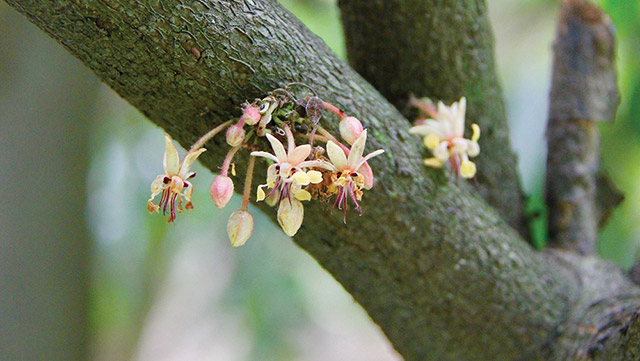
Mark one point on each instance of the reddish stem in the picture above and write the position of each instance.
(227, 160)
(333, 109)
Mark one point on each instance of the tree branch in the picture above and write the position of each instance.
(583, 91)
(409, 47)
(442, 274)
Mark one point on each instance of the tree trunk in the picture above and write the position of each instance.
(441, 273)
(406, 48)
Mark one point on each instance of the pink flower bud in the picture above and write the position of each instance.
(235, 135)
(239, 227)
(251, 115)
(350, 129)
(221, 190)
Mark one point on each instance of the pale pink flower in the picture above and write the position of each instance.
(285, 179)
(444, 136)
(173, 183)
(350, 173)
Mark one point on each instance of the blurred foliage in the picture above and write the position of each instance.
(621, 140)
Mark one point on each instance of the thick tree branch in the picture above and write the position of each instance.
(434, 266)
(583, 91)
(409, 47)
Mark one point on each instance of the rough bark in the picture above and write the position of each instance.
(408, 47)
(583, 92)
(441, 273)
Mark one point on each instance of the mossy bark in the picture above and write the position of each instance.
(441, 273)
(443, 50)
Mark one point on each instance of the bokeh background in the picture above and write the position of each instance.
(76, 162)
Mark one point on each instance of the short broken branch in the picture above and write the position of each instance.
(583, 92)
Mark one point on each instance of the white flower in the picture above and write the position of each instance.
(173, 183)
(285, 179)
(287, 174)
(444, 136)
(350, 173)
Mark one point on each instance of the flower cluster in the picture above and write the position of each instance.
(298, 173)
(444, 137)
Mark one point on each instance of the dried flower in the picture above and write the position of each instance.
(444, 136)
(239, 227)
(350, 129)
(173, 183)
(221, 190)
(346, 178)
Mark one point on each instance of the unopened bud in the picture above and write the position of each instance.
(350, 129)
(221, 190)
(251, 115)
(239, 227)
(235, 135)
(290, 215)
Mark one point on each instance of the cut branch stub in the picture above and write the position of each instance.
(583, 91)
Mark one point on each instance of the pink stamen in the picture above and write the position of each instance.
(173, 207)
(165, 200)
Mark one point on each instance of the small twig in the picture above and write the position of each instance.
(583, 92)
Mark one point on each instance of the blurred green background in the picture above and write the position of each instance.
(78, 159)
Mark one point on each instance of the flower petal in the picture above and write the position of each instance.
(303, 195)
(369, 156)
(336, 155)
(355, 154)
(318, 163)
(171, 161)
(260, 193)
(467, 169)
(431, 141)
(315, 177)
(365, 171)
(265, 155)
(301, 178)
(188, 161)
(278, 148)
(476, 132)
(432, 162)
(473, 149)
(299, 154)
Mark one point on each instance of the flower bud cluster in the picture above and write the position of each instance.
(297, 173)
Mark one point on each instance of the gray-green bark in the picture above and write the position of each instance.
(410, 47)
(583, 92)
(441, 273)
(44, 246)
